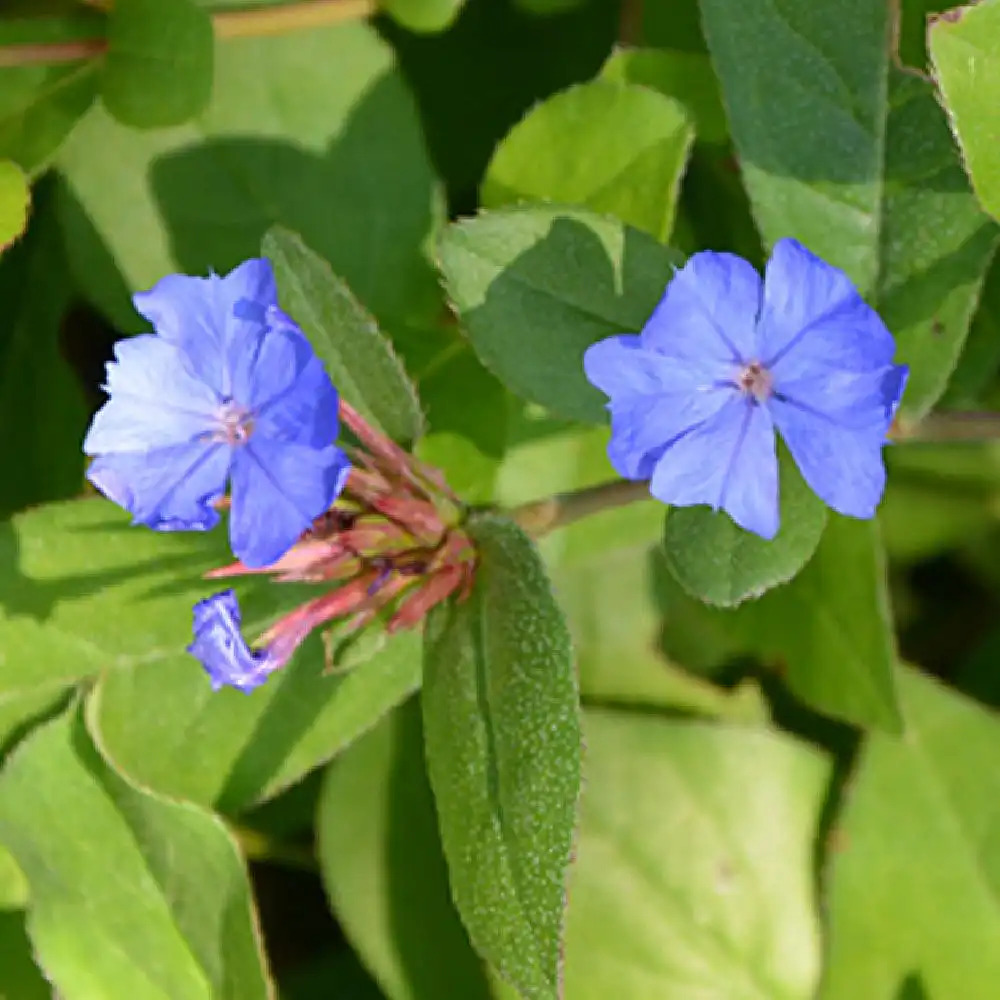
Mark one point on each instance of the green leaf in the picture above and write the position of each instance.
(313, 130)
(39, 104)
(965, 51)
(718, 562)
(644, 139)
(423, 15)
(547, 8)
(683, 885)
(859, 166)
(382, 866)
(831, 628)
(914, 880)
(687, 77)
(503, 750)
(42, 410)
(13, 886)
(249, 747)
(536, 286)
(158, 67)
(131, 895)
(20, 978)
(357, 355)
(15, 200)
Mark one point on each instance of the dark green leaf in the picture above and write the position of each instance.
(503, 750)
(718, 562)
(858, 165)
(383, 868)
(644, 140)
(158, 67)
(42, 410)
(15, 199)
(965, 49)
(359, 358)
(131, 895)
(684, 884)
(313, 130)
(536, 286)
(917, 851)
(20, 978)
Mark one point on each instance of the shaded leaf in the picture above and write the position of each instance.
(158, 66)
(535, 286)
(314, 130)
(423, 15)
(503, 750)
(383, 868)
(644, 140)
(20, 978)
(358, 357)
(130, 894)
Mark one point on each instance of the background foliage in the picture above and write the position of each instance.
(789, 784)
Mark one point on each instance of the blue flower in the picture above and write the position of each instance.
(227, 386)
(722, 362)
(221, 648)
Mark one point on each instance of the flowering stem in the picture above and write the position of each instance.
(253, 21)
(540, 517)
(949, 425)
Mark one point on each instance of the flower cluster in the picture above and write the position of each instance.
(227, 389)
(725, 360)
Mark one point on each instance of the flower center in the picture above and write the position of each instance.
(755, 380)
(235, 423)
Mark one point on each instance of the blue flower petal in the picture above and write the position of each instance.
(842, 465)
(200, 316)
(623, 367)
(856, 400)
(708, 312)
(278, 489)
(812, 309)
(292, 393)
(728, 461)
(155, 400)
(220, 647)
(170, 489)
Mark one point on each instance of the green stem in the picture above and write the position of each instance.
(540, 517)
(252, 22)
(257, 846)
(949, 425)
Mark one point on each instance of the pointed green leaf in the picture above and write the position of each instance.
(914, 878)
(683, 885)
(503, 751)
(718, 562)
(382, 866)
(644, 139)
(158, 67)
(858, 165)
(131, 895)
(536, 286)
(15, 198)
(357, 355)
(965, 50)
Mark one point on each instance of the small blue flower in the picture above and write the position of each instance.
(722, 362)
(221, 648)
(227, 386)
